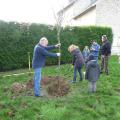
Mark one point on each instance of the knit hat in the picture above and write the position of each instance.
(91, 57)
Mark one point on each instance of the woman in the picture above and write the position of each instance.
(78, 61)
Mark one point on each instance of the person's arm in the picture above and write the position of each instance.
(96, 48)
(92, 48)
(73, 61)
(108, 49)
(50, 47)
(46, 53)
(87, 71)
(53, 46)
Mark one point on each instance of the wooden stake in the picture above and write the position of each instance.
(29, 60)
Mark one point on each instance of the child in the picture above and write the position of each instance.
(86, 53)
(78, 61)
(95, 49)
(92, 73)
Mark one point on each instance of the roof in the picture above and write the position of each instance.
(89, 8)
(67, 7)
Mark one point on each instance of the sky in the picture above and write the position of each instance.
(31, 11)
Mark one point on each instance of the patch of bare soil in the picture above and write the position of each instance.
(51, 86)
(56, 86)
(18, 87)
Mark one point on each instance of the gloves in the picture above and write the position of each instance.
(58, 45)
(58, 54)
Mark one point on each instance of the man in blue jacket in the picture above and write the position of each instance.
(95, 49)
(39, 57)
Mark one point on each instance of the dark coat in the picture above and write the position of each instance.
(92, 71)
(78, 59)
(39, 55)
(106, 48)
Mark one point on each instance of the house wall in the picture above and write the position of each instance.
(88, 18)
(108, 14)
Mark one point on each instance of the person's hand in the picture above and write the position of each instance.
(58, 54)
(58, 45)
(92, 49)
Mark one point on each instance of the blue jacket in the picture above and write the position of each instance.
(96, 51)
(39, 55)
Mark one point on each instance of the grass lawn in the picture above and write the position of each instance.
(77, 105)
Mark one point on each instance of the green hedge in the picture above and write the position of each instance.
(17, 40)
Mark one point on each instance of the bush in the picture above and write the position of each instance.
(16, 40)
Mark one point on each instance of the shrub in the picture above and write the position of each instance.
(17, 40)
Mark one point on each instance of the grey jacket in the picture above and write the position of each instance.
(78, 59)
(92, 71)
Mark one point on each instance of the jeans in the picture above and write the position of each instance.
(104, 63)
(37, 79)
(92, 87)
(75, 73)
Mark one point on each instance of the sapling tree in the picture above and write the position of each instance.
(59, 17)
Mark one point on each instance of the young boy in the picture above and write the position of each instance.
(95, 49)
(86, 53)
(92, 73)
(78, 61)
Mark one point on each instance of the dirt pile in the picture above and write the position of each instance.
(56, 86)
(53, 85)
(18, 87)
(21, 87)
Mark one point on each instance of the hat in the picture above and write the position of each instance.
(91, 57)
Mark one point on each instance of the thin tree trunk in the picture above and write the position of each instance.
(59, 50)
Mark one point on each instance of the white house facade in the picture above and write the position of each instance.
(95, 12)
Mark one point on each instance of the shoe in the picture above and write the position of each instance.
(72, 81)
(38, 95)
(101, 72)
(41, 95)
(107, 73)
(29, 94)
